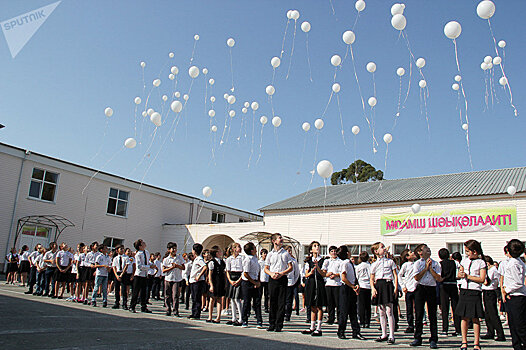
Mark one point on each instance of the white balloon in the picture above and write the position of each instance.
(452, 29)
(230, 42)
(485, 9)
(325, 169)
(488, 59)
(213, 128)
(336, 87)
(458, 78)
(196, 37)
(275, 62)
(193, 72)
(232, 113)
(336, 60)
(137, 100)
(150, 111)
(512, 190)
(397, 9)
(244, 110)
(497, 60)
(305, 126)
(130, 143)
(171, 55)
(489, 65)
(371, 67)
(398, 22)
(422, 83)
(295, 15)
(502, 44)
(465, 127)
(205, 71)
(211, 81)
(177, 94)
(174, 70)
(359, 5)
(144, 114)
(503, 81)
(305, 26)
(156, 82)
(289, 14)
(231, 99)
(400, 71)
(318, 123)
(388, 138)
(211, 113)
(455, 87)
(212, 99)
(108, 112)
(416, 208)
(372, 101)
(186, 97)
(270, 90)
(263, 120)
(165, 98)
(156, 118)
(143, 64)
(355, 129)
(246, 104)
(171, 76)
(254, 106)
(207, 191)
(225, 96)
(276, 121)
(421, 62)
(176, 106)
(348, 37)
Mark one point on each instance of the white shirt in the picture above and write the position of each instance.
(74, 264)
(383, 269)
(472, 268)
(347, 267)
(263, 277)
(102, 260)
(175, 274)
(131, 264)
(514, 274)
(407, 276)
(39, 261)
(293, 275)
(427, 279)
(33, 256)
(142, 264)
(251, 265)
(159, 272)
(151, 270)
(332, 265)
(63, 258)
(24, 256)
(494, 277)
(120, 262)
(278, 261)
(197, 266)
(50, 256)
(90, 258)
(234, 264)
(363, 272)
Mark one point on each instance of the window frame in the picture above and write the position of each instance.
(462, 252)
(324, 250)
(112, 239)
(43, 182)
(218, 215)
(360, 246)
(117, 200)
(411, 246)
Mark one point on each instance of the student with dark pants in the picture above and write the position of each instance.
(140, 281)
(332, 283)
(363, 274)
(489, 297)
(292, 286)
(119, 265)
(448, 291)
(33, 270)
(277, 266)
(408, 284)
(197, 281)
(250, 285)
(263, 278)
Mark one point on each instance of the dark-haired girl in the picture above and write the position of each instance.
(408, 284)
(12, 266)
(217, 278)
(315, 296)
(24, 265)
(234, 269)
(363, 273)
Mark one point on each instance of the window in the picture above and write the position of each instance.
(43, 185)
(399, 248)
(243, 220)
(456, 247)
(356, 249)
(111, 242)
(323, 250)
(218, 217)
(118, 202)
(38, 231)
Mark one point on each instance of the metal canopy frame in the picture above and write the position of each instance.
(263, 239)
(58, 222)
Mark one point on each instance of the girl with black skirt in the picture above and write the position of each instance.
(472, 274)
(217, 279)
(24, 267)
(234, 268)
(12, 266)
(315, 296)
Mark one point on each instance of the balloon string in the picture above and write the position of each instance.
(356, 20)
(314, 166)
(374, 86)
(145, 153)
(308, 58)
(226, 123)
(206, 96)
(328, 103)
(260, 143)
(332, 7)
(273, 75)
(398, 107)
(272, 106)
(102, 168)
(341, 119)
(199, 211)
(231, 69)
(302, 154)
(193, 51)
(411, 58)
(252, 146)
(486, 93)
(284, 36)
(102, 142)
(292, 51)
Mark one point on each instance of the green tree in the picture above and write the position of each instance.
(359, 171)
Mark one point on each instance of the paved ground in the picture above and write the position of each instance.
(31, 322)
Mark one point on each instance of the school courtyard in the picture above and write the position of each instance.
(31, 322)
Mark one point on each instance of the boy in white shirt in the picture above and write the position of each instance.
(120, 265)
(173, 266)
(102, 266)
(197, 281)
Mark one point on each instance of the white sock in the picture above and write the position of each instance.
(318, 326)
(233, 307)
(390, 319)
(383, 320)
(238, 306)
(312, 325)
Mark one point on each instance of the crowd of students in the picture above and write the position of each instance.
(472, 288)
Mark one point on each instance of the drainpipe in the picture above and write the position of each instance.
(27, 153)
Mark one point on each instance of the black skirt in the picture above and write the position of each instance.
(84, 273)
(470, 304)
(12, 267)
(234, 292)
(24, 266)
(62, 276)
(315, 294)
(384, 293)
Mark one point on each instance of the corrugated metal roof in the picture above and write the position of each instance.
(476, 183)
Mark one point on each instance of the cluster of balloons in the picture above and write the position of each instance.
(398, 21)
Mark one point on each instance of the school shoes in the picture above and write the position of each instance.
(487, 336)
(416, 342)
(169, 313)
(316, 333)
(104, 304)
(145, 310)
(94, 303)
(115, 306)
(358, 336)
(433, 344)
(278, 329)
(132, 310)
(271, 329)
(230, 323)
(390, 341)
(341, 336)
(28, 292)
(380, 339)
(409, 330)
(500, 339)
(125, 307)
(237, 324)
(307, 331)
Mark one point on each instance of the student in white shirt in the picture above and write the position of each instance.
(102, 267)
(41, 271)
(63, 262)
(186, 277)
(250, 285)
(157, 278)
(140, 282)
(263, 279)
(197, 281)
(51, 267)
(91, 255)
(332, 283)
(472, 274)
(514, 293)
(408, 284)
(293, 279)
(32, 269)
(315, 296)
(85, 272)
(119, 266)
(217, 280)
(24, 265)
(363, 273)
(489, 298)
(173, 268)
(234, 270)
(77, 263)
(127, 278)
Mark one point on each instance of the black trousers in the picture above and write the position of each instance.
(277, 290)
(426, 295)
(516, 308)
(149, 285)
(156, 287)
(333, 294)
(251, 297)
(187, 295)
(197, 290)
(120, 289)
(140, 286)
(171, 295)
(347, 308)
(263, 291)
(292, 294)
(32, 278)
(491, 314)
(364, 306)
(449, 293)
(410, 308)
(182, 285)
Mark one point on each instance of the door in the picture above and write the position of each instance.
(31, 235)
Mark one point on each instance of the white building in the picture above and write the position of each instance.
(39, 194)
(454, 208)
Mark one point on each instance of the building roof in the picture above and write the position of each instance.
(476, 183)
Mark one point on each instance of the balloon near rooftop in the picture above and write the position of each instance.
(166, 112)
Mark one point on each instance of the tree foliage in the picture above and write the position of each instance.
(359, 171)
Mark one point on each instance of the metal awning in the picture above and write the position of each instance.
(263, 240)
(58, 222)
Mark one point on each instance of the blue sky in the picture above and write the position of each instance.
(86, 56)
